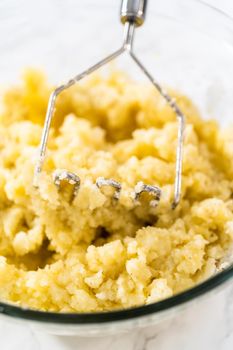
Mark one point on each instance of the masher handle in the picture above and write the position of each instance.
(133, 11)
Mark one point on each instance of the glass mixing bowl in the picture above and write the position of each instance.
(187, 45)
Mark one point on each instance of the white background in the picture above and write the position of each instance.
(208, 327)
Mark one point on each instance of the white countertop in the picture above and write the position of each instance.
(209, 326)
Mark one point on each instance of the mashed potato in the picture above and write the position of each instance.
(93, 253)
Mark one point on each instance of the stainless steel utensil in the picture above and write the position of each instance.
(132, 15)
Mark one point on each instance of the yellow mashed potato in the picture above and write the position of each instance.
(95, 254)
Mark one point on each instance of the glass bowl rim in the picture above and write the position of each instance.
(122, 314)
(7, 309)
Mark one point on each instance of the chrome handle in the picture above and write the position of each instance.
(133, 11)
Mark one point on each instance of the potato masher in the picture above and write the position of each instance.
(132, 15)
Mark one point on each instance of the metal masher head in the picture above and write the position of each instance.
(132, 14)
